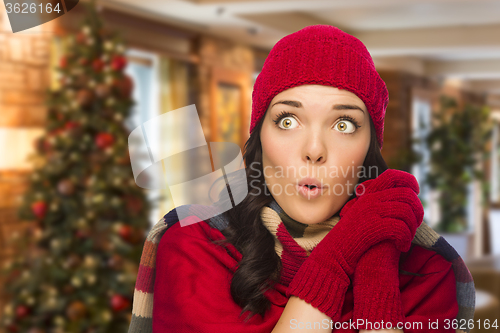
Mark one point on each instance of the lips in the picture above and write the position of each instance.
(311, 183)
(310, 188)
(309, 192)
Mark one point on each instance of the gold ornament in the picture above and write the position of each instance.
(86, 30)
(108, 45)
(91, 279)
(59, 321)
(76, 281)
(89, 261)
(76, 310)
(72, 261)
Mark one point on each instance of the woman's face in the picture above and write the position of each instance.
(314, 131)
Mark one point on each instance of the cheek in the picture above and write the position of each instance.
(271, 154)
(274, 156)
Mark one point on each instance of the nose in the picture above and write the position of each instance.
(315, 150)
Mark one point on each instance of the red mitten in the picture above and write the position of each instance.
(292, 256)
(386, 208)
(375, 285)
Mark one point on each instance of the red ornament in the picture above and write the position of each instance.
(124, 86)
(98, 65)
(80, 37)
(63, 62)
(83, 61)
(55, 132)
(118, 62)
(22, 311)
(125, 232)
(104, 140)
(134, 205)
(82, 234)
(71, 125)
(119, 303)
(39, 208)
(12, 328)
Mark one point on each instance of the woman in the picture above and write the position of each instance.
(316, 133)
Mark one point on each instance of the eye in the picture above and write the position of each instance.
(285, 120)
(347, 125)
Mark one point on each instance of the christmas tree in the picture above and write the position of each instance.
(76, 267)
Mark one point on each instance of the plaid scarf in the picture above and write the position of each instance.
(306, 236)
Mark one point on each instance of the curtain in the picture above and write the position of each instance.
(174, 94)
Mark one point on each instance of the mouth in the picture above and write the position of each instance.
(309, 191)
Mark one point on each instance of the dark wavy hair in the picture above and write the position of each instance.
(260, 265)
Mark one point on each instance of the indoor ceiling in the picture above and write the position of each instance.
(448, 39)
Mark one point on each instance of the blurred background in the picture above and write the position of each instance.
(72, 91)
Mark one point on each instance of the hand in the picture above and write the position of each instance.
(386, 208)
(292, 256)
(375, 283)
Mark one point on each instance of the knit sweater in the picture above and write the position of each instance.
(191, 276)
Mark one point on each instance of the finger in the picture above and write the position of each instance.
(396, 231)
(388, 179)
(405, 195)
(401, 235)
(400, 211)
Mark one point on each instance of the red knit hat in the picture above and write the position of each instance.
(321, 54)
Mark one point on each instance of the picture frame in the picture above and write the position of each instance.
(230, 106)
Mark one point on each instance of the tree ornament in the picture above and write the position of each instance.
(119, 303)
(36, 330)
(82, 233)
(124, 159)
(68, 289)
(110, 101)
(22, 311)
(108, 113)
(59, 321)
(81, 38)
(90, 261)
(54, 206)
(124, 86)
(39, 208)
(63, 63)
(106, 316)
(66, 187)
(118, 62)
(82, 79)
(86, 30)
(115, 262)
(76, 310)
(83, 61)
(72, 261)
(91, 278)
(76, 281)
(98, 65)
(118, 117)
(74, 129)
(120, 48)
(104, 140)
(84, 97)
(102, 90)
(134, 205)
(12, 328)
(108, 45)
(125, 232)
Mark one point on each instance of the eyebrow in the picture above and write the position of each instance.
(297, 104)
